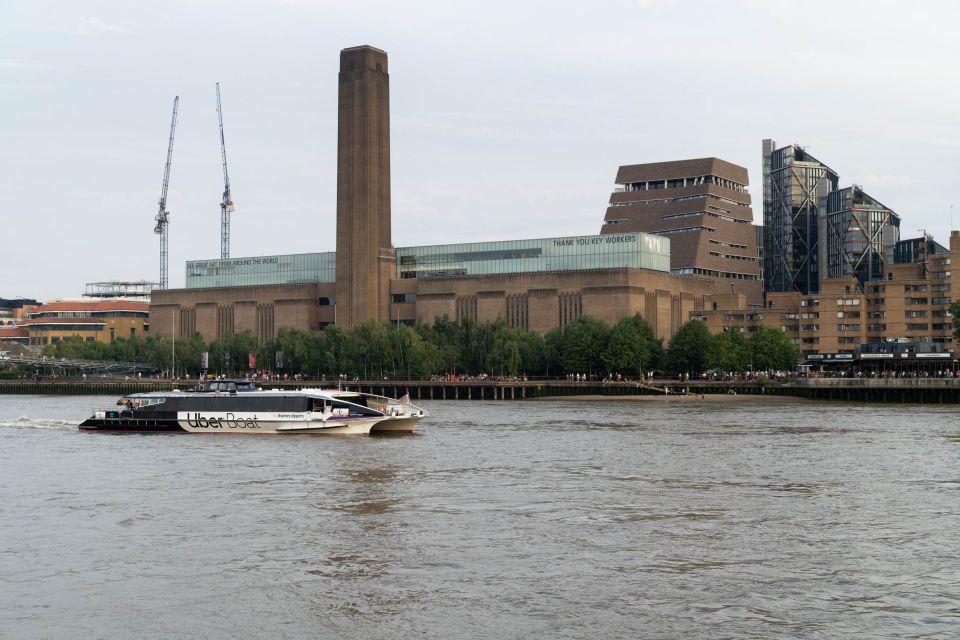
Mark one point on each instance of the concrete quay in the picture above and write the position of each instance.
(882, 390)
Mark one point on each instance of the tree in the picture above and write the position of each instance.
(584, 342)
(630, 347)
(533, 353)
(728, 351)
(238, 345)
(772, 349)
(687, 350)
(955, 312)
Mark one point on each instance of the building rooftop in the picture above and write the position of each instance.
(681, 169)
(93, 306)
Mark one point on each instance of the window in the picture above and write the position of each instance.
(940, 301)
(848, 327)
(916, 326)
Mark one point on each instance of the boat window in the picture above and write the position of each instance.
(140, 403)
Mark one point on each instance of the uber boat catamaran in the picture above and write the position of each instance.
(238, 406)
(402, 416)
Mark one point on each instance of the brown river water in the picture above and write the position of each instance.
(555, 519)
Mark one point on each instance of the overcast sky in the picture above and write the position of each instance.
(509, 119)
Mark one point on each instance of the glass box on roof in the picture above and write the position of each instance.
(239, 272)
(638, 250)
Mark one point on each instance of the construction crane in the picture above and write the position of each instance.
(163, 216)
(226, 204)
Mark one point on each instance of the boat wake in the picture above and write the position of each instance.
(24, 422)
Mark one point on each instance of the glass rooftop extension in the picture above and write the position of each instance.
(637, 250)
(241, 272)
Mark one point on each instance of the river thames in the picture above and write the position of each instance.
(549, 519)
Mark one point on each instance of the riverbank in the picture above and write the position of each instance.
(690, 398)
(871, 390)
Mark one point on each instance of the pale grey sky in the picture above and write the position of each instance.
(509, 119)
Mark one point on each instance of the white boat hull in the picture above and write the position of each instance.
(275, 423)
(403, 424)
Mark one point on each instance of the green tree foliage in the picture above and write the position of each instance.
(585, 345)
(687, 351)
(238, 345)
(955, 312)
(728, 351)
(772, 349)
(631, 348)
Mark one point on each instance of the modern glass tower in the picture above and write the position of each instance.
(795, 186)
(860, 234)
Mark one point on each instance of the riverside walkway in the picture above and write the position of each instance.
(890, 390)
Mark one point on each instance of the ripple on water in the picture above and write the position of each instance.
(500, 520)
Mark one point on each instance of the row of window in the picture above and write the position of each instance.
(701, 196)
(677, 183)
(729, 275)
(41, 340)
(730, 256)
(728, 245)
(872, 328)
(667, 232)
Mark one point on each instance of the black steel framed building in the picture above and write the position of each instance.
(795, 187)
(859, 233)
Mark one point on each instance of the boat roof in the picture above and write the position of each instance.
(176, 393)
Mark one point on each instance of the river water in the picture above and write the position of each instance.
(556, 519)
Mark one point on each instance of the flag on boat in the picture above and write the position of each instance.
(405, 398)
